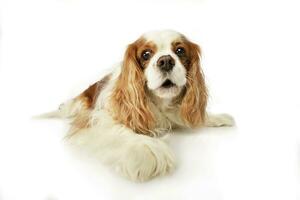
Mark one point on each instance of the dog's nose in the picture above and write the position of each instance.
(166, 63)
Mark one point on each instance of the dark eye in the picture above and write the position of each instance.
(180, 51)
(146, 54)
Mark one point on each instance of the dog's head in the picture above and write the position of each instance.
(166, 64)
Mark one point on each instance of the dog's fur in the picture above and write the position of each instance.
(122, 116)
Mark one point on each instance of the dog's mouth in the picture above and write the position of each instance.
(167, 89)
(168, 84)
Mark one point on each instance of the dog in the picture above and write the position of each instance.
(122, 118)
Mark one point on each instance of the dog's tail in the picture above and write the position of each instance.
(66, 110)
(49, 115)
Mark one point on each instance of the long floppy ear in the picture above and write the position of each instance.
(130, 103)
(193, 105)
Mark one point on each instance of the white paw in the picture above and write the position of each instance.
(145, 160)
(219, 120)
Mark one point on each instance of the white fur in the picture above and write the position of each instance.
(155, 77)
(162, 38)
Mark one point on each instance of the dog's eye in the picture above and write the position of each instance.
(146, 54)
(180, 51)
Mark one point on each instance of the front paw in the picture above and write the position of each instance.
(219, 120)
(143, 161)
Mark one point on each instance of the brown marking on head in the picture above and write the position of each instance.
(129, 99)
(142, 47)
(190, 50)
(193, 104)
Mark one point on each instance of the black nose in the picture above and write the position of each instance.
(166, 63)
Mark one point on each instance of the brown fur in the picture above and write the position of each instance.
(141, 47)
(88, 99)
(90, 95)
(194, 102)
(129, 101)
(80, 121)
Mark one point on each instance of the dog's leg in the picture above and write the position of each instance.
(217, 120)
(135, 156)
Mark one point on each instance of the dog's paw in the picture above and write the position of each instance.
(145, 160)
(219, 120)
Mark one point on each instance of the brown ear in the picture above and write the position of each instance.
(194, 102)
(130, 104)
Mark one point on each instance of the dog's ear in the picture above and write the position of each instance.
(129, 101)
(193, 105)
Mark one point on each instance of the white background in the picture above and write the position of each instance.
(53, 49)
